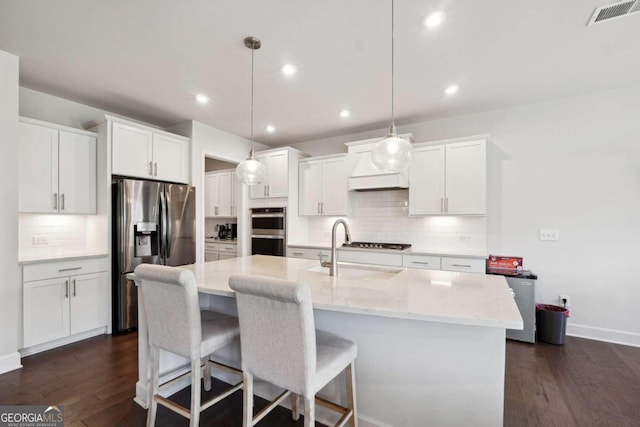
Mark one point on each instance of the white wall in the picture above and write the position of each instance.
(215, 143)
(10, 295)
(571, 164)
(42, 106)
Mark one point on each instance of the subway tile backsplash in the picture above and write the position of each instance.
(382, 216)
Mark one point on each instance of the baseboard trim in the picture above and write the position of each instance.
(10, 362)
(28, 351)
(603, 334)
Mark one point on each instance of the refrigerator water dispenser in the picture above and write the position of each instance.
(146, 239)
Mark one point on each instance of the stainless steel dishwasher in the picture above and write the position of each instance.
(523, 284)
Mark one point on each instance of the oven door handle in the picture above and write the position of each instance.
(274, 215)
(267, 236)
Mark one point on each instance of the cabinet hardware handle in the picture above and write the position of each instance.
(461, 265)
(420, 262)
(74, 287)
(322, 207)
(264, 191)
(268, 190)
(446, 204)
(66, 289)
(55, 201)
(215, 211)
(155, 169)
(231, 210)
(442, 204)
(297, 253)
(151, 168)
(62, 201)
(318, 207)
(69, 269)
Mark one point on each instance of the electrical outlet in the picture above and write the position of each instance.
(550, 234)
(464, 238)
(40, 240)
(564, 298)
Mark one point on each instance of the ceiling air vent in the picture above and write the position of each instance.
(614, 10)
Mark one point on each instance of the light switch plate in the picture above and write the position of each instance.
(549, 234)
(40, 240)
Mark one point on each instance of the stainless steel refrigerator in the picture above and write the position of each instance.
(153, 223)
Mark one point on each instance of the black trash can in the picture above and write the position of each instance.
(551, 323)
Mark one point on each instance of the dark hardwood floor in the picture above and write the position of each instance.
(583, 383)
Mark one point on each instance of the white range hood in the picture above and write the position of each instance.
(364, 176)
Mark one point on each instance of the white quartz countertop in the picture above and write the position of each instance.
(53, 256)
(428, 295)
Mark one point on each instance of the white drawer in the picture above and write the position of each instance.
(226, 247)
(368, 257)
(51, 270)
(308, 253)
(468, 265)
(421, 261)
(211, 246)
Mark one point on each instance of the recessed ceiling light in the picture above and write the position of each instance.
(345, 113)
(433, 20)
(451, 90)
(270, 129)
(289, 69)
(202, 99)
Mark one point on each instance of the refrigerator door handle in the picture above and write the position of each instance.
(163, 226)
(169, 226)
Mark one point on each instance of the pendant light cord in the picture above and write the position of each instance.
(253, 50)
(393, 124)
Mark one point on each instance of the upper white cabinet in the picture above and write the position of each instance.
(323, 186)
(57, 169)
(147, 153)
(448, 179)
(220, 194)
(276, 182)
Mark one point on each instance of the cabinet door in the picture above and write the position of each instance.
(310, 189)
(170, 159)
(37, 169)
(334, 187)
(466, 178)
(45, 310)
(211, 195)
(77, 159)
(131, 150)
(89, 296)
(259, 191)
(224, 194)
(278, 175)
(426, 181)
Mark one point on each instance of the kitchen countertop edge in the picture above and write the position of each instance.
(34, 260)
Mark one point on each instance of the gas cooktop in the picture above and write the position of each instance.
(377, 245)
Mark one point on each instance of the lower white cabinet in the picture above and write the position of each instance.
(370, 257)
(214, 251)
(308, 253)
(428, 262)
(465, 265)
(64, 299)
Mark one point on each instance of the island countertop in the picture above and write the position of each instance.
(403, 293)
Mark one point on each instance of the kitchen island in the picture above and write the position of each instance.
(431, 344)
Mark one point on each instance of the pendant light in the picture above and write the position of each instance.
(392, 154)
(251, 171)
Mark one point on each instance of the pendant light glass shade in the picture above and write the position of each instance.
(392, 154)
(251, 171)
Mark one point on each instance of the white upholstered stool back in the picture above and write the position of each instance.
(171, 306)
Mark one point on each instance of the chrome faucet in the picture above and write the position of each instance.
(333, 264)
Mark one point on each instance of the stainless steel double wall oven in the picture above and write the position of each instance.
(268, 231)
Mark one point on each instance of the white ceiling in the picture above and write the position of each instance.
(146, 59)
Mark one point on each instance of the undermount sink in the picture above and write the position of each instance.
(354, 268)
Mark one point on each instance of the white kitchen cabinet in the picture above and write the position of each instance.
(465, 265)
(63, 299)
(57, 169)
(308, 253)
(428, 262)
(218, 250)
(276, 181)
(220, 195)
(448, 179)
(370, 257)
(323, 186)
(142, 152)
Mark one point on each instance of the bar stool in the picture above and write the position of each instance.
(279, 344)
(175, 324)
